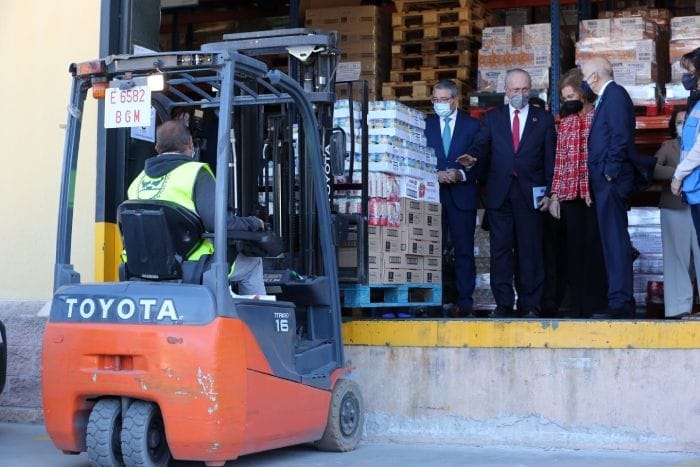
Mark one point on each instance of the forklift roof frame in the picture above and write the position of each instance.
(191, 68)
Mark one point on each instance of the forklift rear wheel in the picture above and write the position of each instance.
(346, 418)
(103, 431)
(143, 436)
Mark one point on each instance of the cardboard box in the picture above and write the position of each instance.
(374, 276)
(410, 233)
(414, 247)
(402, 261)
(537, 34)
(349, 18)
(634, 73)
(618, 52)
(432, 234)
(414, 276)
(433, 248)
(432, 277)
(426, 189)
(432, 263)
(393, 276)
(685, 27)
(391, 240)
(595, 29)
(632, 29)
(497, 36)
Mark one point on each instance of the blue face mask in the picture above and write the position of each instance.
(443, 110)
(689, 81)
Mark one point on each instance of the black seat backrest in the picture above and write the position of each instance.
(157, 237)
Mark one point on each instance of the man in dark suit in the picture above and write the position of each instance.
(519, 142)
(611, 176)
(450, 132)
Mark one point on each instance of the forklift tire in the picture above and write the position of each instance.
(103, 432)
(346, 418)
(143, 436)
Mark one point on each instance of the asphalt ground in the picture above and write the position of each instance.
(24, 445)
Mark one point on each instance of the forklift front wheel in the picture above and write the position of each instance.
(103, 431)
(143, 436)
(346, 417)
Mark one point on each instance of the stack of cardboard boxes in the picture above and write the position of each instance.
(685, 37)
(635, 42)
(504, 47)
(363, 39)
(403, 212)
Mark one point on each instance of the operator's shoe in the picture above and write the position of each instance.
(530, 312)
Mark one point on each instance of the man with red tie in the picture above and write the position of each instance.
(518, 141)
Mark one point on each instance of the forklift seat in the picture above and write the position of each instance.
(157, 237)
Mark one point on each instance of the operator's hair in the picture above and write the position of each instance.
(447, 84)
(692, 58)
(574, 79)
(513, 71)
(173, 136)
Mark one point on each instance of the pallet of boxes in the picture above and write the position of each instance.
(685, 37)
(505, 47)
(637, 48)
(403, 213)
(432, 40)
(363, 40)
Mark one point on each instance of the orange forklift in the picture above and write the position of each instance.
(168, 363)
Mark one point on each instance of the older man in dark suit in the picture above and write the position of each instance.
(450, 132)
(611, 171)
(519, 142)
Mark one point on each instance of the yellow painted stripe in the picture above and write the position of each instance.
(552, 334)
(108, 248)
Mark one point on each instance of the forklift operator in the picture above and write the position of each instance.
(174, 176)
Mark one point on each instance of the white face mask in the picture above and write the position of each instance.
(443, 110)
(679, 130)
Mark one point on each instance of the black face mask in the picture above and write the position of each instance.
(571, 107)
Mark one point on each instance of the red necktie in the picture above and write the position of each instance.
(516, 130)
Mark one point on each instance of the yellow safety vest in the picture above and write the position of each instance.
(176, 186)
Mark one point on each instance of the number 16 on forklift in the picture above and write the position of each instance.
(127, 107)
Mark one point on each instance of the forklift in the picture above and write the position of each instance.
(168, 363)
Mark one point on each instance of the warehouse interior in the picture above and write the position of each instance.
(400, 48)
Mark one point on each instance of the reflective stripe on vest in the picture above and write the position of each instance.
(176, 186)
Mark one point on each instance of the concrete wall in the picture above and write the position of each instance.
(643, 399)
(39, 40)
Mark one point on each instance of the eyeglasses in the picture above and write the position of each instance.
(589, 76)
(441, 100)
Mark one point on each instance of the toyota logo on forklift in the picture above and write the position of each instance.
(124, 309)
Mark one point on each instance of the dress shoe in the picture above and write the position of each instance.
(463, 311)
(530, 312)
(501, 312)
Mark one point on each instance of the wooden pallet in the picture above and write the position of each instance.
(416, 90)
(430, 74)
(390, 295)
(431, 47)
(439, 60)
(406, 6)
(434, 31)
(418, 19)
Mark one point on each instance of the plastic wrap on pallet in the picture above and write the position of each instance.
(635, 73)
(494, 80)
(617, 52)
(617, 30)
(515, 57)
(643, 94)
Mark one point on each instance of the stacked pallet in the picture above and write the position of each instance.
(362, 39)
(432, 40)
